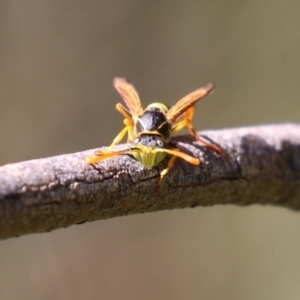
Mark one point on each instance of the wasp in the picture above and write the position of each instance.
(150, 130)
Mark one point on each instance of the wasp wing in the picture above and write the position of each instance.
(129, 95)
(186, 102)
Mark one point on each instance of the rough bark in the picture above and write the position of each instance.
(261, 166)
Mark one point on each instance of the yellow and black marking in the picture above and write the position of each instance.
(150, 130)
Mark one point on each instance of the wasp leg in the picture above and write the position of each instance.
(125, 113)
(118, 139)
(164, 172)
(176, 153)
(211, 146)
(131, 135)
(187, 121)
(128, 122)
(127, 129)
(104, 155)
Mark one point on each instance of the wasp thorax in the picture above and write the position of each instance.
(153, 121)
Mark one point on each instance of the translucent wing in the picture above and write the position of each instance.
(189, 100)
(129, 95)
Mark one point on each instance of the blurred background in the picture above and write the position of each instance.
(57, 62)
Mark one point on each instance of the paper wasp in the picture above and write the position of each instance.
(150, 130)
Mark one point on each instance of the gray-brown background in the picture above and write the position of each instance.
(57, 62)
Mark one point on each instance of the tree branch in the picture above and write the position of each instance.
(261, 166)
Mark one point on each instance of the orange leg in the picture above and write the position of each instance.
(187, 121)
(104, 155)
(164, 172)
(211, 146)
(118, 138)
(125, 112)
(175, 154)
(128, 122)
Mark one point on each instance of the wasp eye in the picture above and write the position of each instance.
(159, 143)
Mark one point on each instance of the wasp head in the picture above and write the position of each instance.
(144, 149)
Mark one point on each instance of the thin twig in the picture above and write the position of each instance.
(261, 166)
